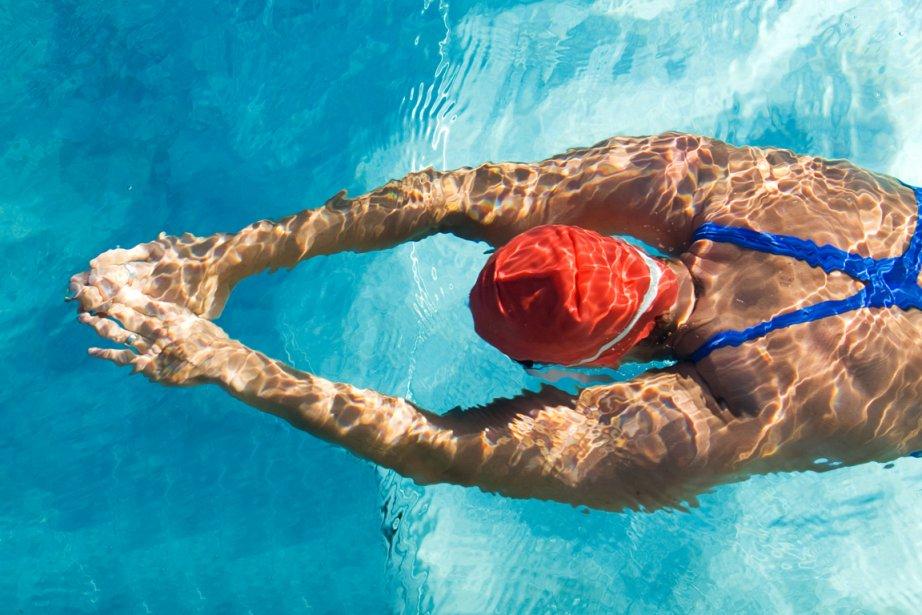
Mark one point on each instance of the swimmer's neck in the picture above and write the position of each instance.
(658, 344)
(684, 305)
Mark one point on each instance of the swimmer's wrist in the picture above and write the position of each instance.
(262, 382)
(230, 366)
(254, 249)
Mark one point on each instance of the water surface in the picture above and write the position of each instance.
(119, 121)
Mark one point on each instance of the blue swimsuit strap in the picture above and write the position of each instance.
(887, 281)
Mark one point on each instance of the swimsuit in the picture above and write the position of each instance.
(887, 281)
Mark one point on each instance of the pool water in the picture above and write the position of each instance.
(119, 120)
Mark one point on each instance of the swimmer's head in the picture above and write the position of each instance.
(570, 296)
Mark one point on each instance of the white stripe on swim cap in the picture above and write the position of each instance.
(655, 274)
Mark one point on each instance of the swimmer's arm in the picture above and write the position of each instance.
(649, 187)
(656, 440)
(651, 442)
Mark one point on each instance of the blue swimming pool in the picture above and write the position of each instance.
(120, 120)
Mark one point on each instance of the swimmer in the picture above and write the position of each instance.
(788, 295)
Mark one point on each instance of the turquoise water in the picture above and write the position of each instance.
(120, 120)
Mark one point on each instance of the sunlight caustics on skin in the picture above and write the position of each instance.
(774, 527)
(658, 440)
(653, 441)
(136, 492)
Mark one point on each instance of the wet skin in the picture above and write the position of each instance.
(842, 390)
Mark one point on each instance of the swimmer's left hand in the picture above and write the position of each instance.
(197, 273)
(165, 342)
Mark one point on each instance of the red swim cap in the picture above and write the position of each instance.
(567, 295)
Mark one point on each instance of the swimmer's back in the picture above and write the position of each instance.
(855, 376)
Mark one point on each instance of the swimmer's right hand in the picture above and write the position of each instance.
(197, 273)
(165, 342)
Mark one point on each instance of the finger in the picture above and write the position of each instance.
(89, 299)
(158, 370)
(142, 363)
(119, 357)
(97, 291)
(110, 330)
(154, 308)
(120, 256)
(151, 328)
(77, 282)
(108, 280)
(127, 317)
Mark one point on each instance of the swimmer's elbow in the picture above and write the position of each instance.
(612, 484)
